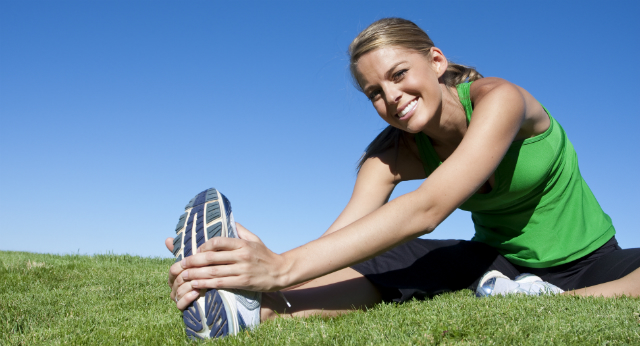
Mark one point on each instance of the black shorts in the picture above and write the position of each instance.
(422, 268)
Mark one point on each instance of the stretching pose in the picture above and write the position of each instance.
(484, 144)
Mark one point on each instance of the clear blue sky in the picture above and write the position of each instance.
(115, 113)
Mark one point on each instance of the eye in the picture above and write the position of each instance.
(373, 95)
(399, 75)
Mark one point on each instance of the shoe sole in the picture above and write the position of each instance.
(207, 215)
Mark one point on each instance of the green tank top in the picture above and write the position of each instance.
(540, 212)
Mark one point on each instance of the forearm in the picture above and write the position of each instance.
(352, 213)
(367, 198)
(396, 222)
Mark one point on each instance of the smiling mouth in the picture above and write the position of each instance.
(408, 108)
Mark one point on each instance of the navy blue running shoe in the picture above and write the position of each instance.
(216, 313)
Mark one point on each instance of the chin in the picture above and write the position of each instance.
(411, 130)
(414, 128)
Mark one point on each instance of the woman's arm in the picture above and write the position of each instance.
(498, 116)
(374, 184)
(376, 180)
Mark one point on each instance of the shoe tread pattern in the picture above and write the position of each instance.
(227, 207)
(213, 211)
(202, 210)
(214, 230)
(192, 318)
(216, 314)
(181, 222)
(177, 244)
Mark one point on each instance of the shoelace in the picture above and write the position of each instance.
(285, 299)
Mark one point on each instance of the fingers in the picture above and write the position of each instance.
(184, 296)
(226, 263)
(175, 285)
(228, 282)
(174, 271)
(183, 293)
(169, 243)
(194, 278)
(203, 259)
(206, 261)
(187, 299)
(244, 233)
(221, 244)
(209, 272)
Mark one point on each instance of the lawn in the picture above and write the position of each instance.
(115, 299)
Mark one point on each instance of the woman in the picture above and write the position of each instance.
(486, 145)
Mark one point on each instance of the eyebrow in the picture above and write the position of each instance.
(387, 74)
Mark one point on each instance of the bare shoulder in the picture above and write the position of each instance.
(536, 120)
(482, 87)
(395, 165)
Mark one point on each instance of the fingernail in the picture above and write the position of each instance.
(185, 274)
(194, 283)
(183, 263)
(194, 293)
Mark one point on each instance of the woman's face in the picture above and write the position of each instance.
(403, 85)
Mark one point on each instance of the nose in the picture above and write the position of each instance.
(392, 95)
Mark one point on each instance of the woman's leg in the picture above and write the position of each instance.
(628, 286)
(330, 295)
(419, 269)
(616, 273)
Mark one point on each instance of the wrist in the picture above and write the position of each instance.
(285, 277)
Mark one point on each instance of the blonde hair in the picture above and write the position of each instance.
(400, 33)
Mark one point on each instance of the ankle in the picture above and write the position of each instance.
(269, 306)
(272, 306)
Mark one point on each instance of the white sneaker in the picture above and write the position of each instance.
(495, 283)
(537, 283)
(217, 313)
(527, 277)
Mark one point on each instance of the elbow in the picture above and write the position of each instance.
(432, 213)
(423, 213)
(429, 226)
(429, 229)
(429, 218)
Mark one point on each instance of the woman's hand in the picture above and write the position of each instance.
(225, 263)
(181, 291)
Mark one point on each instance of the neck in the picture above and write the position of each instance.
(450, 123)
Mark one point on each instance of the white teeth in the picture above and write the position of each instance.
(408, 108)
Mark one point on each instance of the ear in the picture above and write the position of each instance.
(439, 62)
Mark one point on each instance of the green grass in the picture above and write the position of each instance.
(110, 299)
